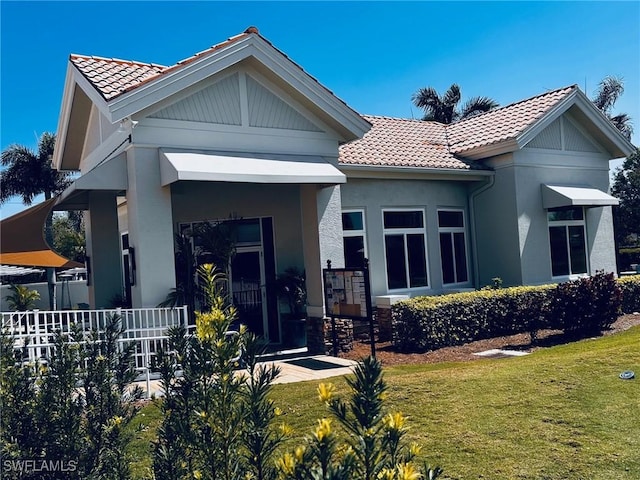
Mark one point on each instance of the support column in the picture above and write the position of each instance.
(150, 224)
(103, 249)
(322, 241)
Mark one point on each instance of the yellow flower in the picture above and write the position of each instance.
(325, 392)
(286, 464)
(406, 471)
(323, 429)
(386, 474)
(277, 411)
(395, 421)
(299, 453)
(415, 449)
(285, 429)
(197, 474)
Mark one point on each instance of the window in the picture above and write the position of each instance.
(353, 237)
(405, 249)
(567, 240)
(453, 246)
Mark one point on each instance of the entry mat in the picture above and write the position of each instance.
(313, 364)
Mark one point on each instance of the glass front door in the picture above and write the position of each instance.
(248, 288)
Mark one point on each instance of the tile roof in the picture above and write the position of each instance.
(402, 142)
(417, 143)
(112, 77)
(501, 124)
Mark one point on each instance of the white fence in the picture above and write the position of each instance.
(146, 327)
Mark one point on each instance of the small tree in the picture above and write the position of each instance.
(22, 298)
(218, 422)
(375, 446)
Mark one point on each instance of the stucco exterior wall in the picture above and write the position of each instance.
(534, 167)
(496, 226)
(375, 195)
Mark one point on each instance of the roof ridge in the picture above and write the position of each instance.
(548, 92)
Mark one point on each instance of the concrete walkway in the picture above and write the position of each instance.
(292, 369)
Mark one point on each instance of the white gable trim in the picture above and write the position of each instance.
(199, 69)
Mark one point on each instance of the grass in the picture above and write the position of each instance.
(560, 413)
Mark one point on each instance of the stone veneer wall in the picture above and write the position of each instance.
(320, 339)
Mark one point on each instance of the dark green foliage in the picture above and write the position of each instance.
(582, 307)
(630, 287)
(626, 216)
(428, 323)
(445, 108)
(68, 236)
(71, 408)
(218, 421)
(375, 448)
(588, 305)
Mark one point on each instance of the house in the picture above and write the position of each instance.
(240, 131)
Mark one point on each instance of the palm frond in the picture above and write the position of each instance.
(477, 105)
(623, 123)
(608, 92)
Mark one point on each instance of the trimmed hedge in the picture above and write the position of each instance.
(580, 307)
(630, 287)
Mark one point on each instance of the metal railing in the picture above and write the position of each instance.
(145, 327)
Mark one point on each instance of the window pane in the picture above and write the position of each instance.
(411, 219)
(446, 254)
(447, 218)
(353, 252)
(248, 231)
(396, 270)
(565, 213)
(577, 249)
(461, 257)
(352, 221)
(417, 260)
(559, 254)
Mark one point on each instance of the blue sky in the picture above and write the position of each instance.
(373, 55)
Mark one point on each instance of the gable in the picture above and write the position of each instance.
(218, 103)
(240, 99)
(268, 110)
(563, 135)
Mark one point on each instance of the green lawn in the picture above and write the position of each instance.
(560, 413)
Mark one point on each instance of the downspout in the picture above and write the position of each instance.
(472, 217)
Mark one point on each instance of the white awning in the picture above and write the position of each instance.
(208, 167)
(575, 196)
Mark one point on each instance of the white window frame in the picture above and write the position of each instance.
(566, 224)
(453, 230)
(356, 233)
(404, 232)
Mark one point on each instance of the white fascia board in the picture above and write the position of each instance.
(63, 118)
(312, 89)
(558, 109)
(175, 81)
(413, 173)
(172, 82)
(603, 123)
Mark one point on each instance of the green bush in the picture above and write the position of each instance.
(427, 323)
(581, 307)
(46, 417)
(588, 305)
(630, 287)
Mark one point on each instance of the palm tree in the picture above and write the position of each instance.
(28, 174)
(444, 108)
(607, 94)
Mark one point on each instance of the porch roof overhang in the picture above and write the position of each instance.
(213, 167)
(554, 196)
(22, 241)
(109, 176)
